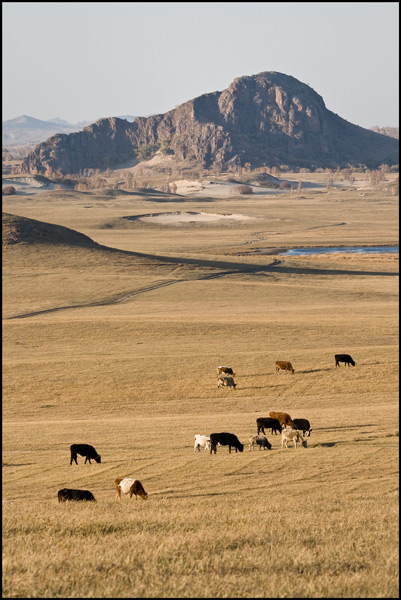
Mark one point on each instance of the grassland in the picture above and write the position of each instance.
(121, 353)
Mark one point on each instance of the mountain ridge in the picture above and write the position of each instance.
(265, 119)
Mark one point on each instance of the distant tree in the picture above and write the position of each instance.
(375, 177)
(144, 151)
(299, 187)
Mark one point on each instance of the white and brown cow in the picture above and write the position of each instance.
(225, 371)
(130, 486)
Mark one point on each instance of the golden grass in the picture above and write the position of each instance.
(137, 379)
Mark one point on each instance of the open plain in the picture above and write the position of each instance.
(116, 343)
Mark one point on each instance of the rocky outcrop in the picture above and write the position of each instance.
(265, 119)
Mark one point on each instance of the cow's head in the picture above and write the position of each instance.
(98, 459)
(241, 447)
(304, 443)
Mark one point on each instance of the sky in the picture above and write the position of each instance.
(81, 61)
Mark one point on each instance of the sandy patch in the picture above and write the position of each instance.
(173, 218)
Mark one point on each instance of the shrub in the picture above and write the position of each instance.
(9, 190)
(285, 185)
(243, 189)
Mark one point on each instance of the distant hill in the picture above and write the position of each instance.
(26, 130)
(266, 119)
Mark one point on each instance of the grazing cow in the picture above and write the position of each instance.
(131, 487)
(284, 365)
(292, 435)
(226, 381)
(201, 441)
(225, 439)
(225, 371)
(272, 424)
(345, 358)
(283, 418)
(303, 425)
(65, 495)
(259, 440)
(84, 450)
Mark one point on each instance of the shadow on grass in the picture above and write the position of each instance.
(17, 464)
(342, 427)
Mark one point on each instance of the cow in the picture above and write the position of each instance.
(65, 495)
(84, 450)
(225, 371)
(131, 487)
(303, 425)
(226, 381)
(259, 440)
(292, 435)
(272, 424)
(283, 418)
(345, 358)
(201, 441)
(225, 439)
(284, 365)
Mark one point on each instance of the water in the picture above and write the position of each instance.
(344, 249)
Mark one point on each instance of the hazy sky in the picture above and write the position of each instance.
(81, 61)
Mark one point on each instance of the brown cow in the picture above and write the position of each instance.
(130, 486)
(283, 418)
(284, 365)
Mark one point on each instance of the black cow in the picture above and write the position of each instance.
(65, 495)
(269, 423)
(345, 358)
(303, 425)
(225, 439)
(84, 450)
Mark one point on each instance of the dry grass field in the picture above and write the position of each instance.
(117, 344)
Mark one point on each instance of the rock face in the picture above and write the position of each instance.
(265, 119)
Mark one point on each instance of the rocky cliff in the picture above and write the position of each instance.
(265, 119)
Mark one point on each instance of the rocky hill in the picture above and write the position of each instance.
(265, 119)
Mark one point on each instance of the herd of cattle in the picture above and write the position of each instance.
(291, 430)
